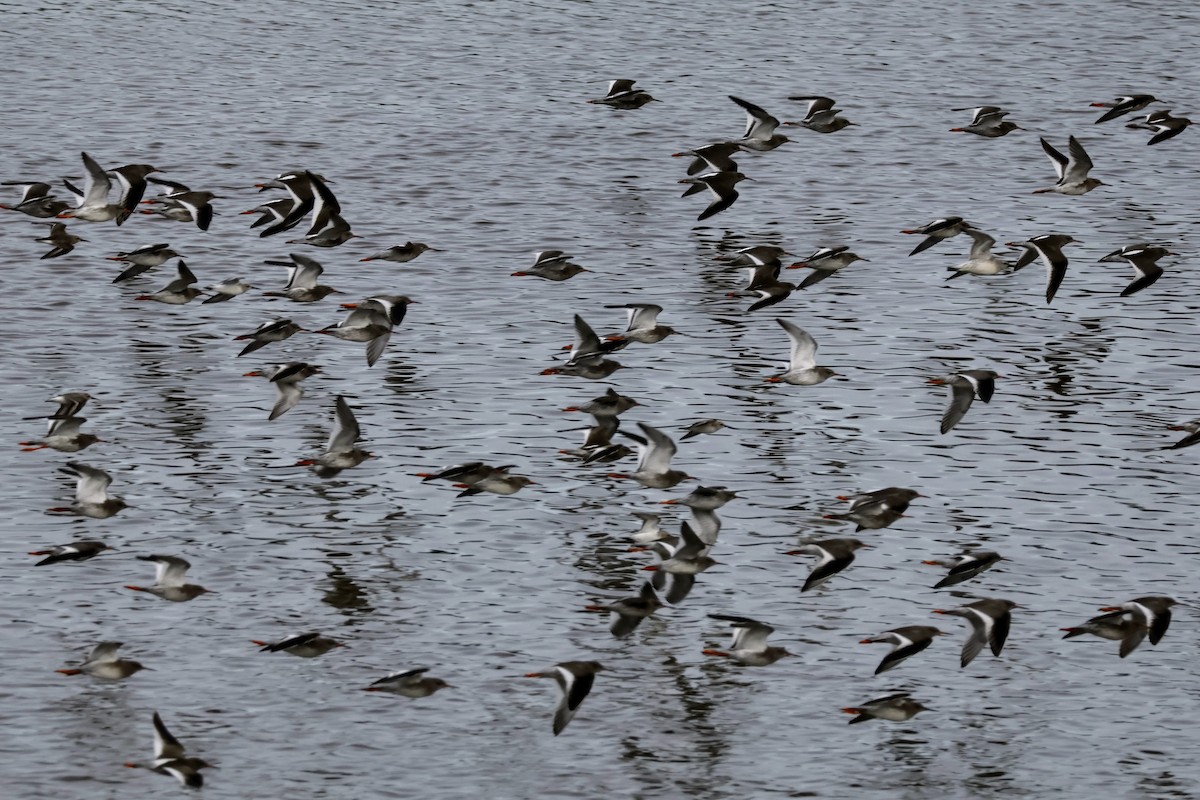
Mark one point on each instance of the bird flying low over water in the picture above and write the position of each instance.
(965, 386)
(575, 680)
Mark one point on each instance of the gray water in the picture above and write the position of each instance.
(464, 125)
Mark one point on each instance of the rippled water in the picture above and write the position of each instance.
(463, 125)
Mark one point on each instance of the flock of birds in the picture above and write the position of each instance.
(114, 195)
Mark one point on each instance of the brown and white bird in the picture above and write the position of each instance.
(937, 231)
(286, 378)
(749, 647)
(990, 621)
(1048, 247)
(1072, 171)
(821, 115)
(170, 758)
(401, 253)
(94, 205)
(964, 567)
(169, 583)
(622, 94)
(304, 645)
(63, 435)
(371, 321)
(1144, 260)
(1119, 626)
(408, 683)
(988, 122)
(302, 286)
(61, 240)
(906, 642)
(75, 551)
(266, 333)
(655, 451)
(721, 188)
(551, 265)
(341, 451)
(760, 132)
(716, 157)
(36, 200)
(833, 556)
(1126, 104)
(1163, 124)
(802, 364)
(628, 612)
(1153, 612)
(642, 324)
(179, 291)
(965, 386)
(824, 262)
(702, 427)
(143, 259)
(575, 680)
(103, 663)
(898, 707)
(91, 493)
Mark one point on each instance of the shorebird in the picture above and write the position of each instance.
(227, 290)
(75, 551)
(1120, 626)
(717, 157)
(91, 493)
(286, 378)
(642, 324)
(964, 567)
(103, 663)
(834, 555)
(408, 683)
(183, 204)
(36, 200)
(721, 187)
(143, 259)
(340, 451)
(990, 620)
(574, 679)
(609, 404)
(628, 612)
(622, 95)
(401, 253)
(371, 321)
(63, 435)
(749, 647)
(1048, 247)
(1163, 124)
(655, 452)
(1153, 612)
(1144, 260)
(497, 483)
(1193, 434)
(937, 231)
(169, 758)
(877, 509)
(169, 572)
(987, 121)
(702, 427)
(760, 128)
(1123, 105)
(93, 202)
(265, 334)
(551, 265)
(61, 240)
(898, 707)
(906, 642)
(1072, 172)
(821, 115)
(825, 262)
(304, 645)
(965, 386)
(302, 286)
(802, 367)
(179, 291)
(980, 261)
